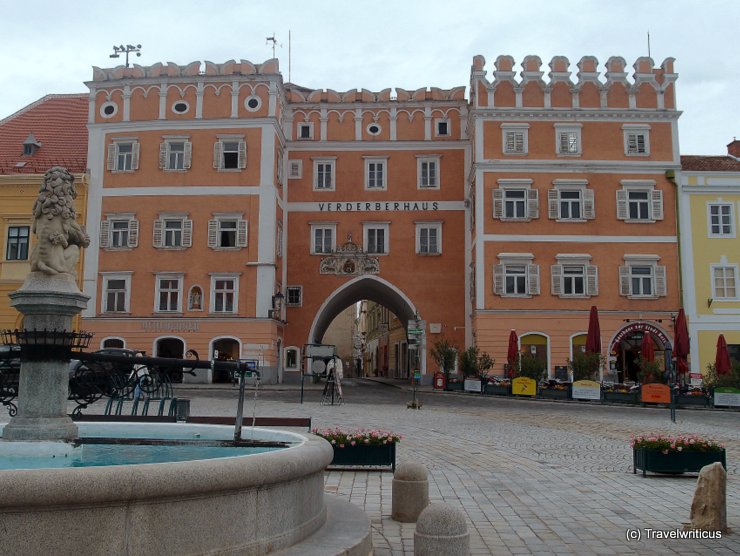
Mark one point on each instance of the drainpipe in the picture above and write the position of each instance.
(671, 177)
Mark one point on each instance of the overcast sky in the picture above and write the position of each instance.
(49, 46)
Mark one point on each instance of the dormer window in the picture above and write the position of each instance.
(30, 145)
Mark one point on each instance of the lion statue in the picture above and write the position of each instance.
(59, 236)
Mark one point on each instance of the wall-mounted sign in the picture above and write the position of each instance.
(656, 332)
(523, 386)
(170, 325)
(407, 206)
(586, 390)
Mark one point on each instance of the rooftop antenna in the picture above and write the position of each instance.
(273, 40)
(289, 57)
(648, 33)
(126, 49)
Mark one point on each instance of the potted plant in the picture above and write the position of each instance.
(650, 371)
(724, 388)
(554, 389)
(475, 365)
(620, 393)
(361, 447)
(585, 365)
(444, 354)
(691, 396)
(680, 454)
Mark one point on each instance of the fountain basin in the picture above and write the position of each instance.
(251, 504)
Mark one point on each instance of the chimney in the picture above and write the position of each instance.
(733, 149)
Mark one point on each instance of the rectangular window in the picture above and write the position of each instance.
(294, 296)
(115, 297)
(641, 280)
(636, 143)
(324, 175)
(515, 279)
(515, 138)
(638, 205)
(376, 238)
(168, 294)
(568, 139)
(429, 239)
(515, 203)
(323, 240)
(124, 160)
(721, 220)
(123, 155)
(636, 139)
(724, 281)
(173, 233)
(227, 233)
(176, 155)
(119, 230)
(230, 155)
(443, 128)
(574, 280)
(17, 246)
(570, 205)
(224, 295)
(428, 172)
(375, 175)
(305, 131)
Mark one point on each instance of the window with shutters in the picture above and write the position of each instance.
(295, 169)
(376, 237)
(227, 231)
(642, 277)
(428, 238)
(571, 201)
(724, 280)
(230, 153)
(515, 138)
(324, 174)
(636, 139)
(116, 292)
(568, 139)
(721, 218)
(375, 173)
(574, 276)
(294, 296)
(16, 248)
(123, 155)
(515, 200)
(172, 231)
(168, 295)
(323, 237)
(639, 202)
(175, 154)
(428, 172)
(516, 275)
(119, 231)
(224, 293)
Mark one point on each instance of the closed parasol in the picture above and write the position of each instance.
(722, 361)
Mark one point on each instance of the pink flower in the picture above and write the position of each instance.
(341, 445)
(352, 443)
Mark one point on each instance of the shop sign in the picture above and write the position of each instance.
(171, 325)
(523, 386)
(639, 327)
(656, 393)
(727, 396)
(586, 390)
(472, 385)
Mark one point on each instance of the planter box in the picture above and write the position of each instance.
(674, 462)
(622, 397)
(454, 386)
(701, 401)
(472, 385)
(552, 394)
(498, 390)
(365, 455)
(726, 396)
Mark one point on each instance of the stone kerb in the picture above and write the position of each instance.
(410, 492)
(441, 529)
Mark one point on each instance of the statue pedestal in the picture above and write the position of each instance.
(47, 303)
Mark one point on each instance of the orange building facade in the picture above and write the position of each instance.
(239, 215)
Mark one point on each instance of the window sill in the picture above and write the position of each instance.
(115, 313)
(638, 221)
(167, 313)
(515, 153)
(173, 248)
(426, 187)
(228, 248)
(118, 248)
(570, 155)
(429, 254)
(123, 171)
(222, 313)
(569, 296)
(638, 155)
(175, 169)
(319, 189)
(516, 296)
(643, 297)
(514, 219)
(230, 170)
(571, 220)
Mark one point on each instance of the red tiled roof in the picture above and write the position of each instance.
(691, 163)
(59, 124)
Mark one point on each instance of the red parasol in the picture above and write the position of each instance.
(593, 338)
(512, 355)
(722, 360)
(647, 351)
(681, 339)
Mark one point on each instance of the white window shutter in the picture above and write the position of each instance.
(656, 202)
(660, 284)
(533, 203)
(157, 233)
(624, 281)
(498, 279)
(622, 212)
(498, 203)
(552, 204)
(589, 207)
(188, 158)
(533, 275)
(212, 233)
(294, 171)
(112, 148)
(241, 233)
(104, 234)
(187, 233)
(133, 233)
(556, 274)
(162, 156)
(218, 149)
(135, 155)
(564, 143)
(242, 154)
(592, 280)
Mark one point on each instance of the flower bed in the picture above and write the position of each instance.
(681, 454)
(692, 397)
(620, 393)
(554, 390)
(454, 385)
(498, 387)
(363, 448)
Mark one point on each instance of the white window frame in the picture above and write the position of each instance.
(632, 134)
(297, 358)
(568, 128)
(531, 274)
(377, 185)
(160, 231)
(428, 226)
(107, 231)
(657, 276)
(654, 201)
(215, 227)
(131, 162)
(590, 275)
(436, 161)
(165, 152)
(19, 240)
(555, 200)
(437, 124)
(724, 265)
(720, 204)
(219, 153)
(530, 200)
(289, 303)
(320, 184)
(295, 169)
(176, 277)
(366, 229)
(235, 292)
(107, 277)
(299, 129)
(315, 226)
(512, 130)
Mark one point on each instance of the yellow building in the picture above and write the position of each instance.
(710, 252)
(50, 132)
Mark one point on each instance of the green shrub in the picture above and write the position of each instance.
(531, 367)
(585, 366)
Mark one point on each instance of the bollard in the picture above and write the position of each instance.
(441, 530)
(410, 492)
(182, 409)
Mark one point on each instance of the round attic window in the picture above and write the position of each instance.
(374, 129)
(252, 103)
(109, 109)
(180, 107)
